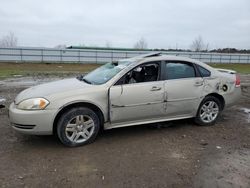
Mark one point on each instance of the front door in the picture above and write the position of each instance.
(139, 96)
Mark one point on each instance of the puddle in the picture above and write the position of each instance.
(27, 81)
(231, 170)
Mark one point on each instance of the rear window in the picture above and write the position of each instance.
(177, 70)
(204, 72)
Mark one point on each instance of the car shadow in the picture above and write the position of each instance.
(39, 140)
(142, 129)
(106, 135)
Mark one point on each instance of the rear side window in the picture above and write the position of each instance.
(177, 70)
(204, 72)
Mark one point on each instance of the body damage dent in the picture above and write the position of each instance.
(220, 86)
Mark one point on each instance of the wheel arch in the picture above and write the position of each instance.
(65, 108)
(219, 97)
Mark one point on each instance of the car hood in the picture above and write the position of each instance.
(51, 88)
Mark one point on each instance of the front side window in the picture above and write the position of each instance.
(178, 70)
(144, 73)
(104, 73)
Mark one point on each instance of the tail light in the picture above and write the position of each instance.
(237, 81)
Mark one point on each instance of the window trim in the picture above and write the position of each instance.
(160, 76)
(197, 73)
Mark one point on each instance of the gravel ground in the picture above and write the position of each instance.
(175, 154)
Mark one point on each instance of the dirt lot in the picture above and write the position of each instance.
(178, 155)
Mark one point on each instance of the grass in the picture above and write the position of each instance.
(32, 69)
(8, 70)
(240, 68)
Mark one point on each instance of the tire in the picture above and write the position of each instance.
(209, 111)
(78, 126)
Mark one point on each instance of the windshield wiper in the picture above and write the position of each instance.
(81, 78)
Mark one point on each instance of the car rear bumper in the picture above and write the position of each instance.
(233, 97)
(38, 122)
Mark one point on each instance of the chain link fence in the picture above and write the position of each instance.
(104, 55)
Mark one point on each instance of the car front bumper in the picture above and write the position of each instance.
(36, 122)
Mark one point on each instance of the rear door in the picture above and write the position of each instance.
(183, 88)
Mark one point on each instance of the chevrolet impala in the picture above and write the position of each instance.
(144, 89)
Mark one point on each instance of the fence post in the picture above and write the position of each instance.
(96, 56)
(211, 57)
(79, 58)
(112, 58)
(239, 58)
(220, 58)
(248, 58)
(60, 55)
(42, 54)
(230, 58)
(21, 54)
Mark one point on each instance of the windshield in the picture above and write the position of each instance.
(104, 73)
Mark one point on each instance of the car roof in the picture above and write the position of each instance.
(159, 57)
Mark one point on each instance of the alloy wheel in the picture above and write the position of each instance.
(80, 128)
(209, 111)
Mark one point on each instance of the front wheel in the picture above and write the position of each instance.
(78, 126)
(208, 111)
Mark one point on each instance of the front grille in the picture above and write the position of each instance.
(19, 126)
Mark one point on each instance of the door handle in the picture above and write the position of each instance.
(155, 88)
(198, 83)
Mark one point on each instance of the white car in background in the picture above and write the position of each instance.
(145, 89)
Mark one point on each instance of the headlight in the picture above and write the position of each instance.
(33, 104)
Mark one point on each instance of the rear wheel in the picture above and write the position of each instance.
(208, 111)
(78, 126)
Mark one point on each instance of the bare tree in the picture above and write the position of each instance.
(108, 44)
(141, 44)
(199, 45)
(9, 40)
(207, 47)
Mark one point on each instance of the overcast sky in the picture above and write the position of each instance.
(163, 23)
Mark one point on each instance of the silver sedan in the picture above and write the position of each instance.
(145, 89)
